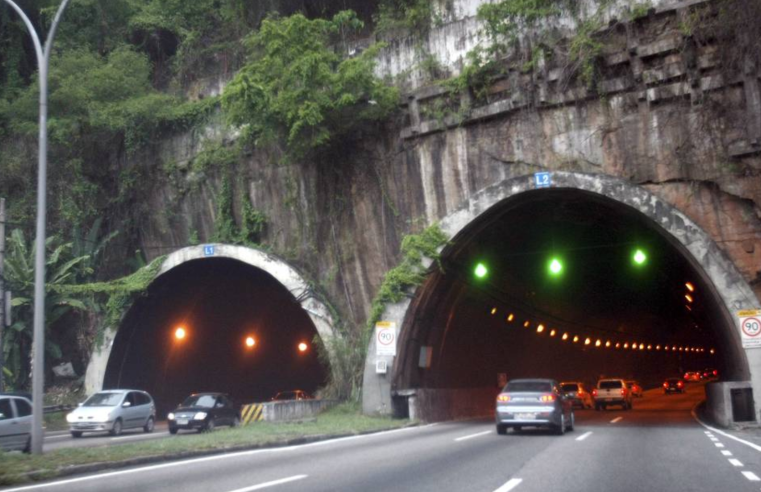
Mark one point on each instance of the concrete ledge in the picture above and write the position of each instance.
(285, 411)
(718, 405)
(436, 405)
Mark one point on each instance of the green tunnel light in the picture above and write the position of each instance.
(481, 271)
(639, 257)
(556, 267)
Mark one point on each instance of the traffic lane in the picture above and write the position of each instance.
(63, 439)
(425, 458)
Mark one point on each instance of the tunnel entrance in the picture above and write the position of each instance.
(575, 284)
(219, 303)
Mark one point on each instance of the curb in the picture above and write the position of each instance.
(40, 475)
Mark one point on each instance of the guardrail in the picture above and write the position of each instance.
(283, 411)
(58, 408)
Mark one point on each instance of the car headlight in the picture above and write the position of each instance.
(199, 416)
(170, 416)
(103, 417)
(70, 417)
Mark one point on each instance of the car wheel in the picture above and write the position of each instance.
(236, 422)
(28, 448)
(560, 429)
(210, 426)
(117, 428)
(148, 427)
(76, 434)
(597, 407)
(572, 423)
(501, 430)
(605, 407)
(172, 431)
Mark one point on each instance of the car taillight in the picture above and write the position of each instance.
(580, 392)
(623, 391)
(503, 397)
(680, 384)
(715, 373)
(685, 376)
(547, 398)
(665, 385)
(594, 392)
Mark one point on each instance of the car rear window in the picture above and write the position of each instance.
(570, 387)
(610, 384)
(533, 386)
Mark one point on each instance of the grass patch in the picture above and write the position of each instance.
(55, 421)
(340, 420)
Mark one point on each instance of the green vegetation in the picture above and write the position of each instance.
(296, 89)
(226, 230)
(338, 421)
(411, 16)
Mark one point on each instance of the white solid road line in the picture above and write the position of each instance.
(735, 462)
(57, 437)
(138, 436)
(216, 457)
(726, 453)
(751, 476)
(463, 438)
(617, 419)
(271, 484)
(584, 436)
(510, 485)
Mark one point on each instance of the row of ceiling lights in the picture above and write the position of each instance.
(607, 343)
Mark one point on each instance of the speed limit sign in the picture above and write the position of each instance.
(385, 338)
(750, 327)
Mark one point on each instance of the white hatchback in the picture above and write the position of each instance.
(112, 411)
(15, 423)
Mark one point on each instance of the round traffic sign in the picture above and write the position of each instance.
(751, 327)
(386, 337)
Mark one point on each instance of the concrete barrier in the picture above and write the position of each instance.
(730, 403)
(283, 411)
(437, 405)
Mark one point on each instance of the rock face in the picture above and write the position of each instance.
(662, 115)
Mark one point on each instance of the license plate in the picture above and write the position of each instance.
(182, 421)
(526, 416)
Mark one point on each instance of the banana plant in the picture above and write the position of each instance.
(60, 269)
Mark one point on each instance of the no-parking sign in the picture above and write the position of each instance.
(385, 338)
(750, 327)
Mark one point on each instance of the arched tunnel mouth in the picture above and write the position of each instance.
(220, 303)
(562, 293)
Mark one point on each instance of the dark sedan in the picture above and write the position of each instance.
(533, 403)
(673, 385)
(203, 412)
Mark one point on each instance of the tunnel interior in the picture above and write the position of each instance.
(463, 331)
(219, 302)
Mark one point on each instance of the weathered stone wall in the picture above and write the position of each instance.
(663, 117)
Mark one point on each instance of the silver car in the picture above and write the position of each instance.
(112, 411)
(534, 403)
(15, 423)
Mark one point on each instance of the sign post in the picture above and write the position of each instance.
(750, 327)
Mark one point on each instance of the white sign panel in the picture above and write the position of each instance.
(385, 338)
(750, 327)
(381, 366)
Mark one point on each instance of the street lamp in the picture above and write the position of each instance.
(180, 333)
(38, 345)
(250, 342)
(303, 347)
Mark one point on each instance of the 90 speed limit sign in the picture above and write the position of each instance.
(385, 338)
(750, 327)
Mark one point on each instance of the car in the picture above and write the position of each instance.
(292, 395)
(533, 403)
(578, 394)
(612, 392)
(204, 412)
(692, 376)
(710, 373)
(113, 411)
(15, 423)
(673, 385)
(636, 388)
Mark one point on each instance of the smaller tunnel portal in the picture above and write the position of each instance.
(244, 334)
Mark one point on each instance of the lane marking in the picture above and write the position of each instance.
(584, 436)
(617, 419)
(510, 485)
(726, 453)
(216, 457)
(735, 462)
(57, 437)
(751, 476)
(138, 436)
(271, 484)
(473, 435)
(718, 445)
(714, 439)
(747, 443)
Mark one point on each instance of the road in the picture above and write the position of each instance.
(62, 439)
(658, 446)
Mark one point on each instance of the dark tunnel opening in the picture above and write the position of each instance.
(220, 303)
(473, 328)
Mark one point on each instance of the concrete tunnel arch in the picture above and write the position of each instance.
(285, 274)
(726, 283)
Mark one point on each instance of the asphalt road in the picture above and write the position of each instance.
(62, 439)
(658, 446)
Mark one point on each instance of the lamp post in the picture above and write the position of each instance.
(38, 344)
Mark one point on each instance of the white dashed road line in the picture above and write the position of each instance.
(735, 462)
(463, 438)
(751, 476)
(617, 419)
(584, 436)
(510, 485)
(270, 484)
(714, 439)
(711, 429)
(726, 453)
(718, 445)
